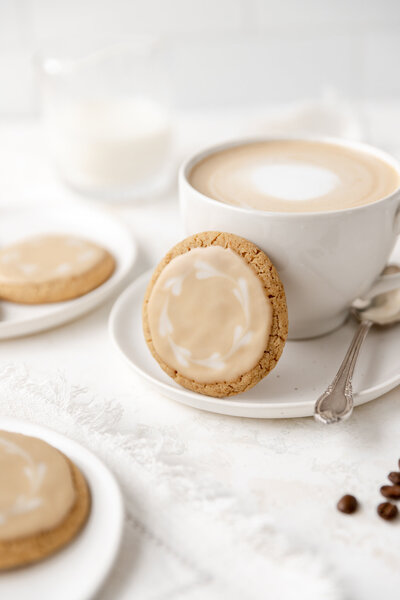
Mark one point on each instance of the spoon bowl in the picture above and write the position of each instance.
(382, 310)
(336, 403)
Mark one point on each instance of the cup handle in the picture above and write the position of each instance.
(389, 280)
(384, 283)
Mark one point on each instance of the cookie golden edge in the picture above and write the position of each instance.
(274, 291)
(60, 289)
(24, 551)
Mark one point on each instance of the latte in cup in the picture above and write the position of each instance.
(294, 176)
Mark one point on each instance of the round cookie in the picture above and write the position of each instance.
(214, 314)
(52, 268)
(44, 500)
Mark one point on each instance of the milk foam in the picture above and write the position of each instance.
(293, 181)
(294, 176)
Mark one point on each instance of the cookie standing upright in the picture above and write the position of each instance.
(44, 500)
(214, 314)
(52, 268)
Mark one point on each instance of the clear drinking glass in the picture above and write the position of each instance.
(108, 120)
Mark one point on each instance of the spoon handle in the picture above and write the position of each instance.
(336, 403)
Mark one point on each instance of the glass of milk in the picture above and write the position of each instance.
(108, 120)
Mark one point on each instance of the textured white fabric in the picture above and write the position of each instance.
(217, 548)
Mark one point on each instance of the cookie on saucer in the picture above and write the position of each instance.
(44, 500)
(52, 268)
(214, 314)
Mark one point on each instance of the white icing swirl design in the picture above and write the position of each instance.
(36, 486)
(242, 335)
(46, 257)
(209, 315)
(34, 473)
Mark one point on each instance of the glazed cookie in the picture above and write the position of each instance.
(52, 268)
(214, 314)
(44, 500)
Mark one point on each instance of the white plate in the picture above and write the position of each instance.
(291, 389)
(77, 571)
(93, 224)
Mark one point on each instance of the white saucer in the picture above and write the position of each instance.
(91, 223)
(77, 571)
(291, 389)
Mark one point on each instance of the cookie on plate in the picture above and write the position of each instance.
(52, 268)
(44, 500)
(214, 314)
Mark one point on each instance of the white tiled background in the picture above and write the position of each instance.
(220, 52)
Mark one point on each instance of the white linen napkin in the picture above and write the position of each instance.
(185, 537)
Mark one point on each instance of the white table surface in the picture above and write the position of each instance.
(294, 469)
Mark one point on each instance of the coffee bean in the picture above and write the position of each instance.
(391, 491)
(348, 504)
(394, 477)
(387, 511)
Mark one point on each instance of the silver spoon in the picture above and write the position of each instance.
(336, 403)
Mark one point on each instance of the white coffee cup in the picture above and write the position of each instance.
(325, 259)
